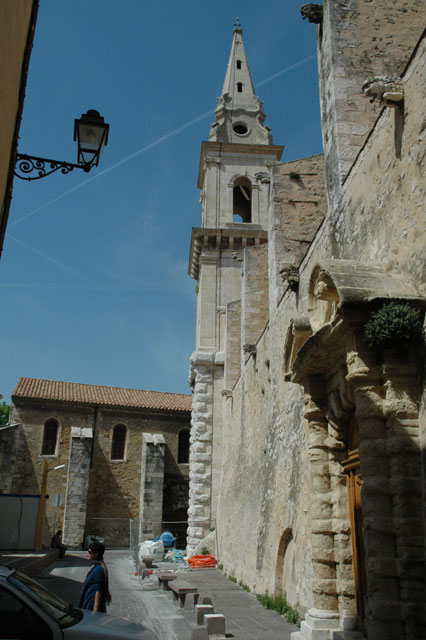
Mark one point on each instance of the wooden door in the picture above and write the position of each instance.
(354, 484)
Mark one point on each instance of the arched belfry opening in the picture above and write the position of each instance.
(242, 200)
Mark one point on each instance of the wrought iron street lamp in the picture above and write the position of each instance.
(91, 134)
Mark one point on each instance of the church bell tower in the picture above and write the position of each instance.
(234, 181)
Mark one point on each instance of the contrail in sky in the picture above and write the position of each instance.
(54, 261)
(61, 265)
(149, 146)
(290, 68)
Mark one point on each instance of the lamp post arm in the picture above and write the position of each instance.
(25, 165)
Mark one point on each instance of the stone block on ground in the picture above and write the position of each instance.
(199, 632)
(201, 610)
(215, 624)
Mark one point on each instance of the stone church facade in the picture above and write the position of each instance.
(125, 454)
(308, 440)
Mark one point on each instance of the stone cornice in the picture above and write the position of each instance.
(271, 152)
(233, 239)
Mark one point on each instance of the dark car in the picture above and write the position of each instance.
(29, 611)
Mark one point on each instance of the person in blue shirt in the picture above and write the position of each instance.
(95, 592)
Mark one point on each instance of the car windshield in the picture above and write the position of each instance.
(57, 608)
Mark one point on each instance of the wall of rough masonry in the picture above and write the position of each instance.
(233, 344)
(254, 298)
(297, 209)
(265, 470)
(357, 40)
(265, 491)
(113, 494)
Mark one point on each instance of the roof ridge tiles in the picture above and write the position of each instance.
(84, 393)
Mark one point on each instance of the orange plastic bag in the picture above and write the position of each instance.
(200, 562)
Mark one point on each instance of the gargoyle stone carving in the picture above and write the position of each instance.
(263, 177)
(226, 393)
(314, 12)
(237, 256)
(250, 349)
(387, 91)
(290, 276)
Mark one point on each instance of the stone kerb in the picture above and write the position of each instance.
(201, 376)
(77, 486)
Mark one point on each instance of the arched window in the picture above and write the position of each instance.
(118, 445)
(183, 447)
(50, 438)
(242, 199)
(238, 64)
(239, 87)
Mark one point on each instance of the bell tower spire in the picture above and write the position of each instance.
(239, 114)
(234, 181)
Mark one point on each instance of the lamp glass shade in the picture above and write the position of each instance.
(91, 133)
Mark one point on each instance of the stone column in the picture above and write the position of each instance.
(201, 442)
(77, 487)
(383, 613)
(324, 616)
(404, 455)
(152, 481)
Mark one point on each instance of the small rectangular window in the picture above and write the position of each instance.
(50, 437)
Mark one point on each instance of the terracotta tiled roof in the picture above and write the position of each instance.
(96, 395)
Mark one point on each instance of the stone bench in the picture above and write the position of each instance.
(164, 577)
(180, 590)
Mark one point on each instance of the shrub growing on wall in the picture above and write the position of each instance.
(394, 325)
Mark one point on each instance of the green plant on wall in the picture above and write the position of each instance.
(394, 325)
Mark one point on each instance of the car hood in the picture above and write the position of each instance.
(97, 626)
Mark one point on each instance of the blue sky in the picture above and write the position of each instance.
(94, 268)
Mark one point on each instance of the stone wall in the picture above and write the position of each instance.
(77, 487)
(254, 307)
(283, 519)
(113, 493)
(264, 497)
(151, 486)
(357, 40)
(297, 209)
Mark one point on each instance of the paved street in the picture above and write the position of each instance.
(245, 618)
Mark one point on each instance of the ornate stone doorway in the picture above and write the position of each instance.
(382, 503)
(354, 482)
